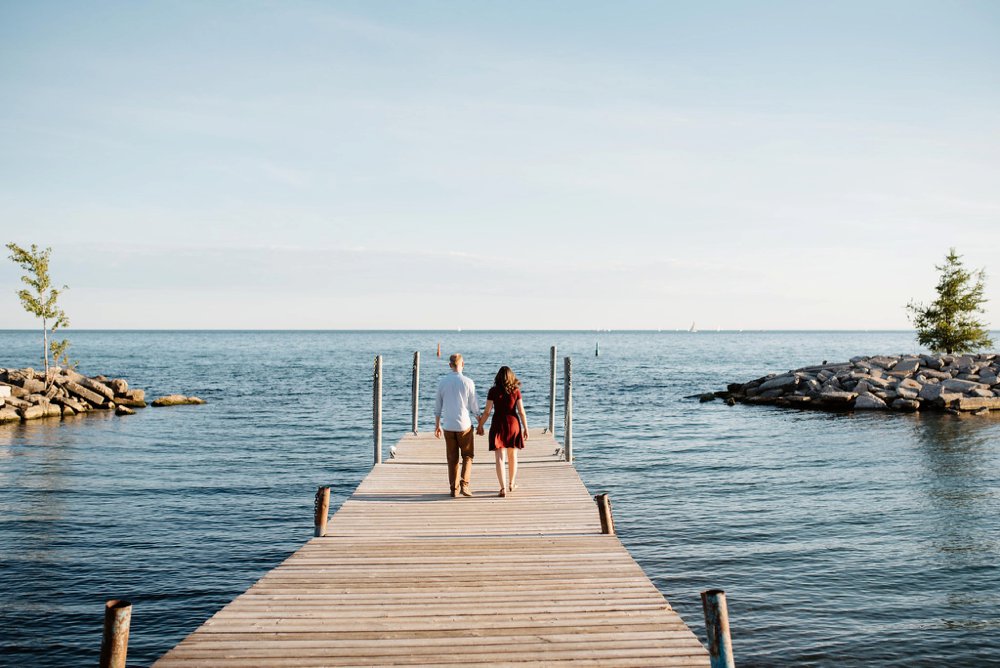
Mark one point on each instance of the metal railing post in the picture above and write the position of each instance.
(416, 389)
(720, 645)
(568, 401)
(552, 391)
(114, 643)
(377, 408)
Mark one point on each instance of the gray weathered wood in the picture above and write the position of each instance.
(407, 575)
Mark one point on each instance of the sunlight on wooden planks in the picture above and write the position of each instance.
(408, 576)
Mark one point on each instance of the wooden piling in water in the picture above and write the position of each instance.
(114, 643)
(416, 389)
(604, 510)
(720, 645)
(552, 390)
(568, 404)
(377, 408)
(321, 510)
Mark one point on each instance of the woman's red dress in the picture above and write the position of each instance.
(505, 429)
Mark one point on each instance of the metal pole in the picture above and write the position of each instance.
(604, 510)
(321, 509)
(377, 408)
(552, 391)
(720, 645)
(568, 399)
(416, 388)
(114, 643)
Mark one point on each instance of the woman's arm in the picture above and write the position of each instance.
(524, 418)
(485, 416)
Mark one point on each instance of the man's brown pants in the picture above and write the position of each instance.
(459, 444)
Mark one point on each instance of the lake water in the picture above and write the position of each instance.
(840, 539)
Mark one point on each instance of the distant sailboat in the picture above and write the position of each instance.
(693, 328)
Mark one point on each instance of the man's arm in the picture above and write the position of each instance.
(438, 403)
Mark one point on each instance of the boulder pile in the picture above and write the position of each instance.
(24, 394)
(901, 383)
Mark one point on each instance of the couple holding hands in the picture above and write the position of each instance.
(454, 407)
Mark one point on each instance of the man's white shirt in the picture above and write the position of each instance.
(456, 402)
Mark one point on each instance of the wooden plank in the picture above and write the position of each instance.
(408, 576)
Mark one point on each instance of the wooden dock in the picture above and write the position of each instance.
(408, 576)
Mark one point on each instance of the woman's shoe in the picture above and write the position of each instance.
(513, 487)
(503, 492)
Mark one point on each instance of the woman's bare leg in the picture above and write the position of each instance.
(512, 465)
(501, 473)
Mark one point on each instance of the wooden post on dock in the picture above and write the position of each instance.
(377, 408)
(416, 389)
(720, 645)
(568, 400)
(321, 509)
(552, 391)
(114, 643)
(604, 510)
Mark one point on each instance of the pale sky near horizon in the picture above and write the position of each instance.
(508, 165)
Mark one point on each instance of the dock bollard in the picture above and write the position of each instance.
(377, 408)
(114, 643)
(552, 391)
(720, 645)
(321, 508)
(568, 405)
(416, 389)
(604, 510)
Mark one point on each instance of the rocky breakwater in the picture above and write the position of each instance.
(24, 395)
(900, 383)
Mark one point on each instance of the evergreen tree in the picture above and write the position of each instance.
(949, 323)
(41, 300)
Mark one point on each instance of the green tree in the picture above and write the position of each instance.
(41, 300)
(949, 323)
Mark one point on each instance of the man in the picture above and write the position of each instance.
(456, 403)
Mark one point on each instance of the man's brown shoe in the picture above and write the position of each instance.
(465, 491)
(454, 493)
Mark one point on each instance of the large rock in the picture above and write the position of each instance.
(784, 382)
(938, 395)
(98, 387)
(4, 390)
(931, 373)
(870, 402)
(956, 385)
(907, 393)
(40, 411)
(119, 386)
(93, 397)
(9, 414)
(177, 400)
(907, 365)
(124, 410)
(906, 405)
(33, 386)
(132, 403)
(975, 403)
(834, 397)
(909, 384)
(136, 395)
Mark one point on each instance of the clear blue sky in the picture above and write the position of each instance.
(482, 164)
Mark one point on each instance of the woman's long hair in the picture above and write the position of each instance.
(506, 381)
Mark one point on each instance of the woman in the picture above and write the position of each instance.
(507, 432)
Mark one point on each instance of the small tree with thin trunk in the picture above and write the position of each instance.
(41, 300)
(949, 323)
